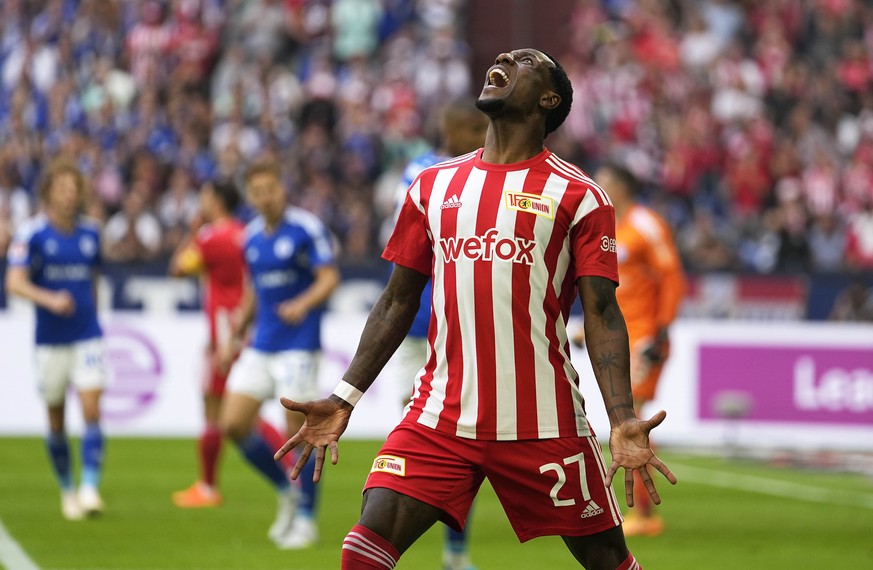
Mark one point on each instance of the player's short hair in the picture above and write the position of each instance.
(624, 175)
(264, 167)
(226, 192)
(564, 89)
(58, 168)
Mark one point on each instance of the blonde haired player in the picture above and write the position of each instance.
(53, 262)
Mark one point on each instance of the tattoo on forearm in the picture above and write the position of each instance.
(607, 362)
(617, 406)
(605, 303)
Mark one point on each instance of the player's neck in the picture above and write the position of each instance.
(270, 223)
(61, 222)
(508, 143)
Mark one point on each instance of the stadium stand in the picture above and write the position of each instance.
(752, 122)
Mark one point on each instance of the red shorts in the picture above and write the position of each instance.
(547, 486)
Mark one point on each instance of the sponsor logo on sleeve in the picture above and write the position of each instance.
(17, 252)
(389, 464)
(531, 203)
(607, 244)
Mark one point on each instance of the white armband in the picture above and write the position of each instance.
(347, 392)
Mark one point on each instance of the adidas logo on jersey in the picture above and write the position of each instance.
(451, 202)
(592, 510)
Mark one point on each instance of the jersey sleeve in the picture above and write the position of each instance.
(20, 252)
(592, 240)
(203, 244)
(410, 244)
(320, 244)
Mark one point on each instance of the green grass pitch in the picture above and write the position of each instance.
(711, 525)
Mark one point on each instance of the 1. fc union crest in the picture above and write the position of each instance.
(389, 464)
(531, 203)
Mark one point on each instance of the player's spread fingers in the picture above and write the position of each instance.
(665, 471)
(301, 461)
(629, 487)
(288, 446)
(613, 468)
(334, 452)
(656, 420)
(650, 486)
(319, 463)
(295, 406)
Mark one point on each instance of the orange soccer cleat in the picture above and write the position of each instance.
(635, 525)
(197, 496)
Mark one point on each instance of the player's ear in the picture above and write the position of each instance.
(549, 100)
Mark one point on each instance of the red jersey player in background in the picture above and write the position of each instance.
(215, 253)
(509, 234)
(652, 287)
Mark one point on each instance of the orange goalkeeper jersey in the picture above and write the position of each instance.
(650, 272)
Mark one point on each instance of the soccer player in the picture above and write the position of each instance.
(508, 235)
(53, 262)
(215, 251)
(462, 130)
(652, 287)
(290, 259)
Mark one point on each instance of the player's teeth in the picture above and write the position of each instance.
(498, 75)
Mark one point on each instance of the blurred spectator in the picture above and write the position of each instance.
(793, 255)
(15, 207)
(133, 234)
(259, 26)
(355, 28)
(707, 245)
(855, 303)
(827, 243)
(859, 238)
(701, 45)
(728, 110)
(176, 209)
(31, 62)
(193, 44)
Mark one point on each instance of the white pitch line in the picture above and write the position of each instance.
(774, 487)
(11, 553)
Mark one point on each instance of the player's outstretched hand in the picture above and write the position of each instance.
(326, 420)
(629, 445)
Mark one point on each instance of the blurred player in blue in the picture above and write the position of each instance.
(462, 129)
(292, 271)
(53, 262)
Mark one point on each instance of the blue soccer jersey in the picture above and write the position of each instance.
(61, 261)
(282, 264)
(413, 169)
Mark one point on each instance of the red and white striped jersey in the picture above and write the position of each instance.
(504, 244)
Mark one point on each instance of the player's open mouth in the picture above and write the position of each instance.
(498, 78)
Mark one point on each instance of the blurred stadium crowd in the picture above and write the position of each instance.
(751, 123)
